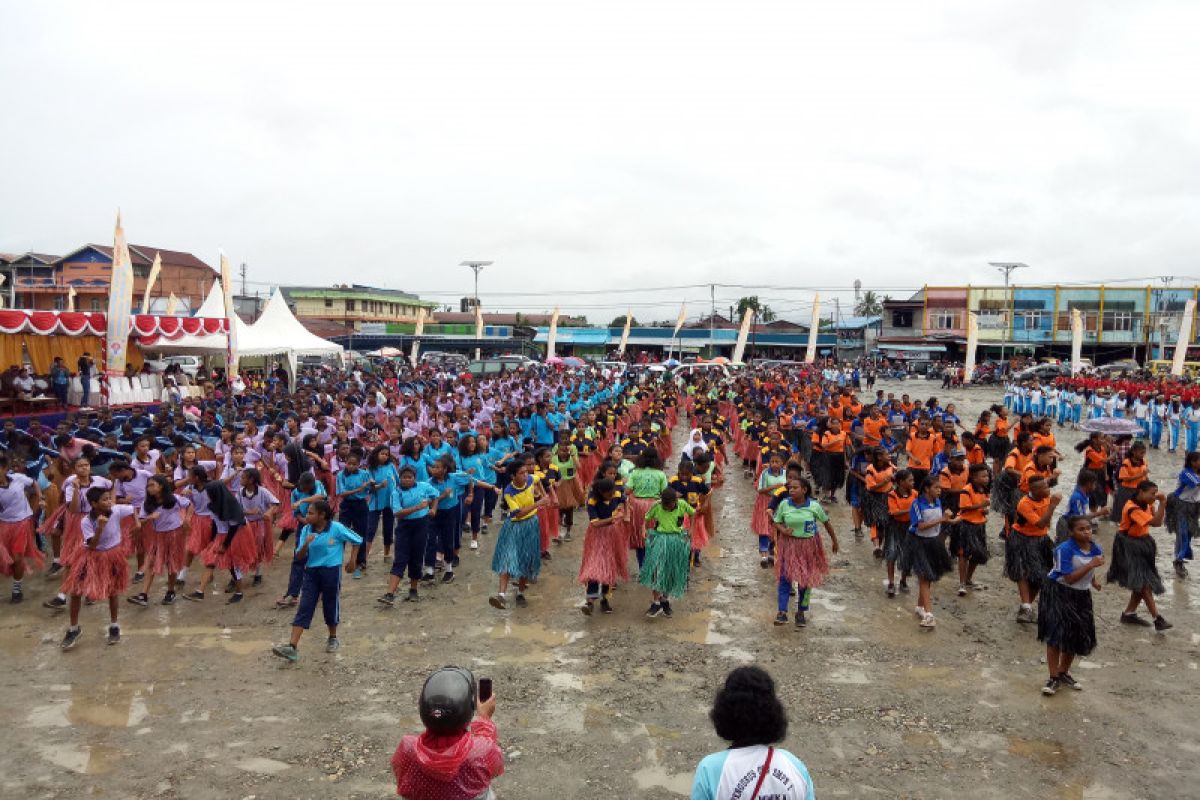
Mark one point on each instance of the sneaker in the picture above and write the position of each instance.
(229, 587)
(1065, 679)
(333, 645)
(558, 540)
(770, 561)
(387, 599)
(286, 651)
(54, 602)
(781, 618)
(196, 596)
(878, 553)
(498, 601)
(448, 577)
(139, 599)
(655, 610)
(1160, 624)
(605, 606)
(891, 590)
(17, 594)
(976, 587)
(114, 634)
(236, 597)
(72, 638)
(1180, 570)
(762, 562)
(927, 621)
(801, 620)
(474, 545)
(55, 568)
(546, 556)
(1025, 614)
(1051, 687)
(168, 598)
(903, 585)
(566, 537)
(962, 590)
(454, 562)
(521, 601)
(921, 612)
(357, 575)
(587, 608)
(412, 596)
(439, 565)
(139, 576)
(1133, 619)
(666, 608)
(257, 581)
(428, 577)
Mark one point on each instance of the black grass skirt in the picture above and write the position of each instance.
(875, 508)
(829, 470)
(925, 557)
(999, 447)
(1006, 493)
(972, 542)
(1181, 510)
(894, 534)
(1132, 566)
(1027, 558)
(1065, 618)
(1122, 496)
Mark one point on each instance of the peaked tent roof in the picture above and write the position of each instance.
(278, 331)
(213, 306)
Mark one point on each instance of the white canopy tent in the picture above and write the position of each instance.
(189, 345)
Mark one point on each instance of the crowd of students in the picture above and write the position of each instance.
(424, 470)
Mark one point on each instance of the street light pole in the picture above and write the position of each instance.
(476, 267)
(1007, 267)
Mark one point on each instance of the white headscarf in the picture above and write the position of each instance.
(693, 445)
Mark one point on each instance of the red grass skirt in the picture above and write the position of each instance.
(638, 506)
(663, 446)
(200, 533)
(52, 522)
(166, 551)
(700, 535)
(587, 470)
(761, 522)
(72, 539)
(605, 555)
(672, 417)
(98, 574)
(801, 561)
(133, 535)
(242, 554)
(261, 530)
(750, 450)
(16, 542)
(547, 523)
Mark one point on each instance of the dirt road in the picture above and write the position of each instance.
(192, 705)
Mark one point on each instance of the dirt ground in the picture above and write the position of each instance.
(193, 705)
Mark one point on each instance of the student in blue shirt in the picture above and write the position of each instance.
(354, 486)
(308, 488)
(1078, 505)
(445, 534)
(379, 502)
(413, 503)
(1066, 621)
(410, 456)
(436, 448)
(543, 427)
(322, 542)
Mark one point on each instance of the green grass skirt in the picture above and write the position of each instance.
(668, 559)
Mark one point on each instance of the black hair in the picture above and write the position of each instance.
(200, 472)
(603, 486)
(1086, 477)
(322, 507)
(746, 711)
(254, 475)
(371, 459)
(166, 496)
(649, 459)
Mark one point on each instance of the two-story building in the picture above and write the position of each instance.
(354, 305)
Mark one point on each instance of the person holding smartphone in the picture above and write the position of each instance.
(458, 755)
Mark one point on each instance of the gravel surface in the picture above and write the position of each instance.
(192, 704)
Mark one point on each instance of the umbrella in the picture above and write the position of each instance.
(572, 361)
(671, 362)
(554, 361)
(1111, 425)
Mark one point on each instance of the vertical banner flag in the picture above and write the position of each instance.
(71, 299)
(552, 337)
(739, 349)
(1076, 340)
(172, 304)
(478, 326)
(625, 332)
(972, 346)
(1185, 335)
(231, 342)
(679, 322)
(416, 345)
(120, 302)
(154, 270)
(810, 353)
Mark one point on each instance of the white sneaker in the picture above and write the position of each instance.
(921, 612)
(928, 621)
(474, 545)
(962, 590)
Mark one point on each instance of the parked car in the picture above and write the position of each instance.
(684, 371)
(1044, 372)
(189, 364)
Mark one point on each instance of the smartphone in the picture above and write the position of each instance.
(485, 689)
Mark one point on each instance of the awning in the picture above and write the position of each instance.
(917, 348)
(583, 336)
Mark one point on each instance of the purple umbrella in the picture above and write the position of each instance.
(1113, 426)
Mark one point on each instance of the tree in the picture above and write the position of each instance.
(619, 322)
(761, 310)
(870, 305)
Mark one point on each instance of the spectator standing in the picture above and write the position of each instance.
(84, 367)
(60, 380)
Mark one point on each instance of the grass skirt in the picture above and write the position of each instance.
(700, 536)
(801, 560)
(1006, 494)
(972, 542)
(72, 538)
(1132, 566)
(1180, 509)
(166, 551)
(638, 506)
(260, 530)
(1027, 558)
(16, 542)
(518, 552)
(570, 493)
(548, 525)
(829, 470)
(605, 555)
(1122, 496)
(894, 534)
(98, 574)
(242, 552)
(925, 557)
(998, 447)
(668, 561)
(52, 521)
(200, 533)
(761, 523)
(1065, 618)
(874, 508)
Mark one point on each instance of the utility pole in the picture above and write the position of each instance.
(837, 315)
(1007, 268)
(712, 295)
(242, 270)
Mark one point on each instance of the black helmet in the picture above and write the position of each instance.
(448, 700)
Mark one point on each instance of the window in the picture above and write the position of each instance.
(1118, 320)
(943, 319)
(97, 304)
(329, 302)
(1033, 319)
(902, 319)
(141, 271)
(60, 304)
(349, 305)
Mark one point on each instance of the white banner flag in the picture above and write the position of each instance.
(231, 341)
(625, 332)
(972, 346)
(1185, 336)
(1076, 340)
(552, 336)
(679, 322)
(154, 270)
(810, 353)
(739, 349)
(416, 345)
(478, 326)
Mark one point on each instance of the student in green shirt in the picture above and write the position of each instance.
(646, 483)
(668, 551)
(799, 552)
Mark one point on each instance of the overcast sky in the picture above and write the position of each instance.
(597, 145)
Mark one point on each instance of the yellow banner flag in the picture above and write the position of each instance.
(172, 304)
(154, 270)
